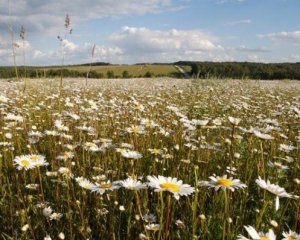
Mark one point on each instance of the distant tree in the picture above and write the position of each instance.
(110, 74)
(125, 74)
(148, 74)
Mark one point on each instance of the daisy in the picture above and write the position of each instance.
(32, 186)
(65, 156)
(14, 118)
(155, 151)
(217, 122)
(47, 211)
(257, 236)
(149, 218)
(60, 126)
(65, 172)
(278, 166)
(38, 160)
(152, 227)
(198, 122)
(131, 154)
(135, 129)
(55, 216)
(275, 189)
(84, 183)
(224, 183)
(262, 135)
(290, 235)
(234, 121)
(90, 146)
(105, 186)
(23, 162)
(171, 185)
(132, 184)
(286, 148)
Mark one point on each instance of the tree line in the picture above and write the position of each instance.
(36, 72)
(241, 70)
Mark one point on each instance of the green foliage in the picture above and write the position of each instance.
(110, 74)
(125, 74)
(148, 74)
(241, 70)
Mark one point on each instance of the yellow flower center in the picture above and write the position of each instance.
(66, 154)
(106, 185)
(155, 151)
(91, 145)
(25, 162)
(264, 238)
(170, 186)
(34, 157)
(291, 238)
(225, 182)
(135, 129)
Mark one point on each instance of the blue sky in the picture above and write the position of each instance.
(132, 31)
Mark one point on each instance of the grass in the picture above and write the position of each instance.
(78, 164)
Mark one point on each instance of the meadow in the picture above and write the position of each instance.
(149, 159)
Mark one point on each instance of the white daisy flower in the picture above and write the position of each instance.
(132, 184)
(224, 183)
(90, 146)
(55, 216)
(102, 187)
(152, 227)
(263, 136)
(234, 121)
(84, 183)
(290, 235)
(65, 172)
(60, 126)
(257, 235)
(278, 166)
(38, 160)
(275, 189)
(171, 185)
(47, 211)
(135, 129)
(23, 162)
(131, 154)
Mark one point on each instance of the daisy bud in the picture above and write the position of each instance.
(274, 223)
(202, 217)
(61, 235)
(297, 181)
(47, 211)
(25, 228)
(121, 208)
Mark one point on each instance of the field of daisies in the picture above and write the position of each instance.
(150, 159)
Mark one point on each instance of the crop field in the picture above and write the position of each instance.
(149, 159)
(133, 70)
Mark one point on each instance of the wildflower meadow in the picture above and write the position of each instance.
(149, 159)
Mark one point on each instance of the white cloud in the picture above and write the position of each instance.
(283, 36)
(244, 48)
(48, 16)
(143, 44)
(238, 22)
(229, 1)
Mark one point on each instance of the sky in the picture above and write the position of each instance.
(136, 31)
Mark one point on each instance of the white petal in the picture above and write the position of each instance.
(277, 203)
